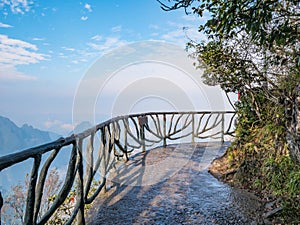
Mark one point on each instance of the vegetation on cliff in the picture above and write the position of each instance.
(259, 160)
(253, 47)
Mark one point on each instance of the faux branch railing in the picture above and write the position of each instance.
(115, 138)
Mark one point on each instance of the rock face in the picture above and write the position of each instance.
(14, 138)
(293, 125)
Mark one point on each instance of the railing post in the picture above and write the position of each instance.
(80, 192)
(142, 122)
(125, 141)
(103, 161)
(193, 128)
(1, 204)
(165, 130)
(31, 194)
(222, 127)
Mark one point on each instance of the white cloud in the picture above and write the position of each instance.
(95, 46)
(84, 18)
(38, 39)
(69, 49)
(51, 123)
(193, 34)
(110, 43)
(154, 34)
(3, 25)
(97, 37)
(17, 6)
(15, 42)
(9, 72)
(67, 126)
(153, 26)
(57, 123)
(191, 17)
(182, 33)
(116, 28)
(17, 52)
(62, 55)
(175, 36)
(88, 7)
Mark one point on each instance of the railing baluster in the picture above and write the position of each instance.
(165, 130)
(41, 183)
(199, 125)
(1, 204)
(171, 123)
(28, 219)
(125, 142)
(79, 185)
(89, 164)
(66, 188)
(103, 157)
(142, 132)
(222, 128)
(193, 128)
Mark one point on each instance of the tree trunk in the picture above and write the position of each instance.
(293, 125)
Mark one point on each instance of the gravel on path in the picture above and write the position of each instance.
(172, 186)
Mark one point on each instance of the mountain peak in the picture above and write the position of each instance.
(14, 138)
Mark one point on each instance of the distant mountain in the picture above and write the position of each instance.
(14, 138)
(82, 127)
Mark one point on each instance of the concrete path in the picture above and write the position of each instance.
(172, 186)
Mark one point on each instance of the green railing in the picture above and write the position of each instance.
(115, 139)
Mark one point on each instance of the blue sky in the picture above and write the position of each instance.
(46, 47)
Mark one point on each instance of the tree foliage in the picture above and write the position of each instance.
(252, 46)
(250, 41)
(15, 201)
(14, 205)
(268, 21)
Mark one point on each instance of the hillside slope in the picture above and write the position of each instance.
(14, 138)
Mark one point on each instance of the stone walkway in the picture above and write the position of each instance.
(172, 186)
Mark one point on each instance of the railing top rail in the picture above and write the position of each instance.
(8, 160)
(170, 112)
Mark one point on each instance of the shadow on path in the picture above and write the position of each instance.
(159, 187)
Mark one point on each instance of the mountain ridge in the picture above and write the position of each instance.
(14, 138)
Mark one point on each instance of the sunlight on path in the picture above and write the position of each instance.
(172, 186)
